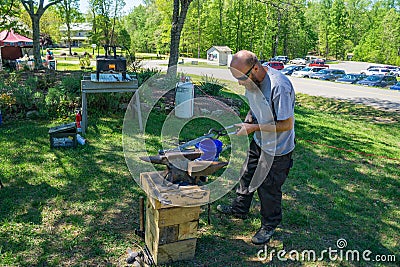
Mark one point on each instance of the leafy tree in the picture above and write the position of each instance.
(358, 21)
(50, 25)
(270, 27)
(104, 19)
(381, 44)
(8, 10)
(338, 29)
(35, 12)
(123, 38)
(142, 25)
(69, 11)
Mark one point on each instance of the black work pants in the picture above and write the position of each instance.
(273, 172)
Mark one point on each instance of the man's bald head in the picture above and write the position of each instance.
(243, 58)
(245, 67)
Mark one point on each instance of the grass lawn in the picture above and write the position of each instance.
(79, 207)
(62, 66)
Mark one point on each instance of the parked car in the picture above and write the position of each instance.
(391, 68)
(395, 72)
(318, 63)
(396, 86)
(310, 58)
(283, 59)
(290, 69)
(376, 71)
(298, 61)
(328, 74)
(274, 64)
(378, 80)
(375, 66)
(307, 72)
(351, 78)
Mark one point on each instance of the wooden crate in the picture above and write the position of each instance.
(170, 231)
(165, 194)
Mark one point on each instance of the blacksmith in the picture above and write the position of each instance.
(271, 118)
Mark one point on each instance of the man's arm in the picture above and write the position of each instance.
(280, 126)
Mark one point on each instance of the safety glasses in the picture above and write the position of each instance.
(246, 75)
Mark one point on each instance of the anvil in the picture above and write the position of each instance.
(182, 167)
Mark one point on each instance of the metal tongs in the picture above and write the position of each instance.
(212, 133)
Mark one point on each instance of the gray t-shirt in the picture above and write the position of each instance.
(278, 87)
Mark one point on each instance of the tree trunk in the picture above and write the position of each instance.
(326, 44)
(1, 61)
(198, 29)
(238, 25)
(36, 40)
(69, 39)
(220, 7)
(276, 41)
(178, 19)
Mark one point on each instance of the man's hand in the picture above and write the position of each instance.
(246, 128)
(249, 118)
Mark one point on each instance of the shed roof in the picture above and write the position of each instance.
(221, 48)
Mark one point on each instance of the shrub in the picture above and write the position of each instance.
(71, 86)
(54, 98)
(144, 75)
(210, 86)
(62, 100)
(45, 82)
(23, 97)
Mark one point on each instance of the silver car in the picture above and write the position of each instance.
(307, 72)
(298, 61)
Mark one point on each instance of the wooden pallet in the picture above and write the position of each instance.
(170, 230)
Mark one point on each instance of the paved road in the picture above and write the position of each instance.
(376, 97)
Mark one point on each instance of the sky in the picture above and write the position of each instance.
(129, 5)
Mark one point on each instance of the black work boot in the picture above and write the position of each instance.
(227, 209)
(263, 235)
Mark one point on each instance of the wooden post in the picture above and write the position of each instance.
(84, 113)
(138, 110)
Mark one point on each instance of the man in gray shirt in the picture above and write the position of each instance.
(271, 118)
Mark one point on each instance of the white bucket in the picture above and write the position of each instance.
(184, 100)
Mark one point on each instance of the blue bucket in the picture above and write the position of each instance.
(211, 149)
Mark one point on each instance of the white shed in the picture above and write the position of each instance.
(219, 54)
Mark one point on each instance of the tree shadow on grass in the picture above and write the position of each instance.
(21, 207)
(385, 105)
(87, 192)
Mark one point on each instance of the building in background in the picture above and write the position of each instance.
(219, 54)
(79, 34)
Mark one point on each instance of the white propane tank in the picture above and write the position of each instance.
(184, 99)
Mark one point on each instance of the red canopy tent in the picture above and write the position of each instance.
(11, 44)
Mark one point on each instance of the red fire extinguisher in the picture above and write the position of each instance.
(78, 119)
